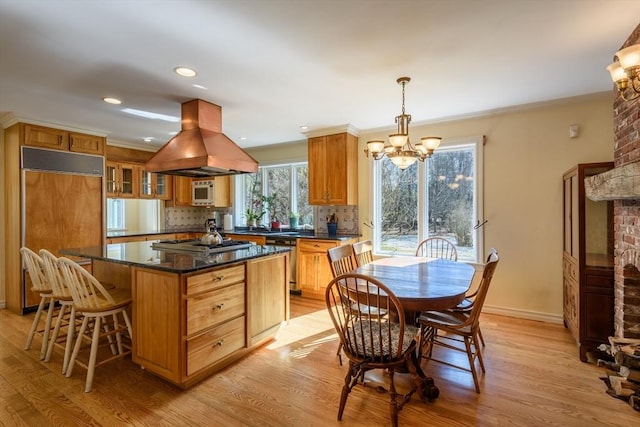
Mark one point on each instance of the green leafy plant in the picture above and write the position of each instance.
(273, 204)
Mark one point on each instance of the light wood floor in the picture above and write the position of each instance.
(534, 378)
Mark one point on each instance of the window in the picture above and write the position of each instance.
(290, 185)
(115, 214)
(439, 197)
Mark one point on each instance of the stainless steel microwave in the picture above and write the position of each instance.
(203, 193)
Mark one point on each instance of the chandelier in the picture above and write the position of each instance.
(399, 149)
(625, 72)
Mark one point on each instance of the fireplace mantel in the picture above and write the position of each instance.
(620, 183)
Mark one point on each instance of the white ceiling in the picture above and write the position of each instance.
(274, 65)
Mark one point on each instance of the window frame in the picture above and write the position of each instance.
(476, 143)
(240, 193)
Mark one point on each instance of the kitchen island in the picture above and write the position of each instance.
(193, 314)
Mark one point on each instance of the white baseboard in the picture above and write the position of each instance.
(524, 314)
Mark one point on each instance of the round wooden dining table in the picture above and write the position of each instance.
(422, 284)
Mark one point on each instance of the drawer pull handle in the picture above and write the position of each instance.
(217, 307)
(219, 278)
(219, 343)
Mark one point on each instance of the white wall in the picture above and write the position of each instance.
(526, 153)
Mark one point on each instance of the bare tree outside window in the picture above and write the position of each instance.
(449, 201)
(285, 192)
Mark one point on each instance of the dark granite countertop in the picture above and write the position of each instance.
(284, 233)
(140, 254)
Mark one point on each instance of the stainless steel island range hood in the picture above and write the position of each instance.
(201, 149)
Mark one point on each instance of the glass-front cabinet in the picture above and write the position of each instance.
(121, 180)
(154, 185)
(587, 260)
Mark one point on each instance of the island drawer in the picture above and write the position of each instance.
(215, 279)
(214, 307)
(206, 349)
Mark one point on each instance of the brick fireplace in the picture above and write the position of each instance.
(626, 125)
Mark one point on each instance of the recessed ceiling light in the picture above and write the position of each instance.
(114, 101)
(243, 138)
(303, 127)
(200, 87)
(148, 139)
(185, 71)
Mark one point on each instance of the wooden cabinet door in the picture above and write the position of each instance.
(154, 185)
(40, 136)
(163, 185)
(181, 191)
(333, 169)
(156, 321)
(336, 178)
(128, 180)
(121, 180)
(314, 271)
(266, 295)
(317, 171)
(222, 189)
(89, 144)
(111, 179)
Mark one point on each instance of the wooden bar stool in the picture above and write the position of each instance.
(39, 284)
(96, 306)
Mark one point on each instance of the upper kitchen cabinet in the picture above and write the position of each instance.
(58, 139)
(222, 189)
(121, 180)
(155, 185)
(181, 191)
(333, 169)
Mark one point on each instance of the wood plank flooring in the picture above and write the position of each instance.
(534, 378)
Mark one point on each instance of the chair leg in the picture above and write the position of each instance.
(472, 365)
(339, 353)
(481, 337)
(393, 396)
(47, 329)
(56, 331)
(36, 321)
(71, 329)
(76, 348)
(351, 378)
(478, 350)
(94, 353)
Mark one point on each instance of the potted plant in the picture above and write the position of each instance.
(254, 213)
(293, 219)
(272, 202)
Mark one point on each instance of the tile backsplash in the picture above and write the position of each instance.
(188, 218)
(347, 218)
(185, 218)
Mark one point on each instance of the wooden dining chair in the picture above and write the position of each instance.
(342, 260)
(444, 327)
(371, 342)
(437, 247)
(99, 310)
(40, 285)
(466, 305)
(363, 252)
